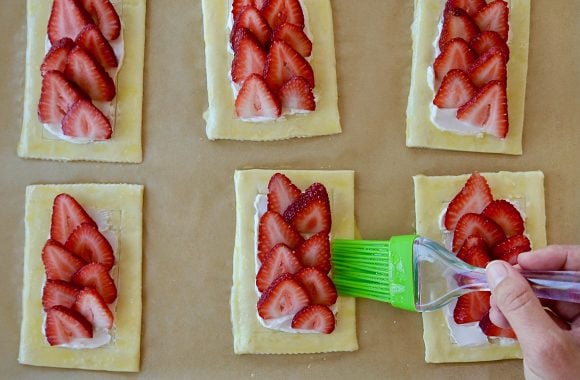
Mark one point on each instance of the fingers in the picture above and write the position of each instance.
(496, 316)
(554, 257)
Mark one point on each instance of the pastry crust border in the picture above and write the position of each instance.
(431, 196)
(125, 144)
(221, 121)
(123, 354)
(249, 336)
(421, 132)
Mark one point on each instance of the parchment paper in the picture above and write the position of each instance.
(189, 206)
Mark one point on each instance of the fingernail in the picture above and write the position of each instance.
(496, 272)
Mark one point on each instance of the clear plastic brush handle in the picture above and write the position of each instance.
(441, 277)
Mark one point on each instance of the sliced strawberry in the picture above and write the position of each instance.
(57, 292)
(59, 263)
(473, 197)
(87, 242)
(92, 40)
(56, 97)
(296, 94)
(456, 54)
(315, 317)
(67, 18)
(473, 241)
(239, 34)
(492, 65)
(457, 24)
(105, 16)
(455, 90)
(488, 110)
(283, 63)
(273, 229)
(67, 214)
(469, 6)
(63, 325)
(251, 19)
(477, 224)
(55, 59)
(96, 276)
(281, 193)
(281, 259)
(92, 306)
(310, 213)
(255, 99)
(492, 330)
(239, 5)
(249, 59)
(89, 75)
(86, 122)
(509, 249)
(494, 16)
(285, 296)
(477, 256)
(294, 36)
(487, 40)
(278, 12)
(315, 252)
(471, 307)
(506, 215)
(320, 288)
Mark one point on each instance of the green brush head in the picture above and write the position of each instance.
(377, 270)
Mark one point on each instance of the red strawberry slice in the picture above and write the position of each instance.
(57, 292)
(92, 306)
(294, 36)
(63, 325)
(57, 96)
(315, 252)
(509, 249)
(320, 288)
(488, 110)
(315, 317)
(249, 58)
(67, 214)
(476, 256)
(92, 40)
(296, 94)
(89, 75)
(283, 64)
(59, 263)
(56, 57)
(457, 24)
(492, 65)
(251, 19)
(239, 34)
(256, 100)
(285, 296)
(492, 330)
(494, 17)
(473, 197)
(105, 16)
(273, 229)
(239, 5)
(473, 241)
(281, 259)
(487, 40)
(471, 307)
(86, 122)
(87, 242)
(456, 54)
(506, 215)
(67, 18)
(310, 213)
(469, 6)
(477, 224)
(455, 90)
(278, 12)
(281, 193)
(96, 276)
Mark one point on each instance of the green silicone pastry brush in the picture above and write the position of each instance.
(415, 273)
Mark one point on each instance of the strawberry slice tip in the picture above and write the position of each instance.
(297, 95)
(57, 292)
(84, 121)
(492, 65)
(239, 5)
(471, 307)
(255, 99)
(92, 40)
(249, 58)
(285, 296)
(92, 306)
(477, 224)
(87, 242)
(315, 252)
(57, 96)
(455, 90)
(105, 16)
(494, 17)
(89, 75)
(284, 63)
(506, 215)
(67, 18)
(281, 259)
(278, 12)
(67, 214)
(96, 276)
(63, 325)
(455, 54)
(488, 109)
(310, 213)
(281, 193)
(457, 24)
(488, 39)
(469, 6)
(273, 229)
(315, 317)
(251, 19)
(294, 36)
(318, 285)
(473, 197)
(56, 57)
(509, 249)
(59, 263)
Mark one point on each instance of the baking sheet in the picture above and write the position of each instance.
(189, 217)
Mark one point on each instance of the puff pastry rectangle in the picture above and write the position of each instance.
(432, 194)
(125, 144)
(421, 132)
(125, 203)
(249, 336)
(221, 120)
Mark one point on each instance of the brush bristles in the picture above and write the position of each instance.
(362, 268)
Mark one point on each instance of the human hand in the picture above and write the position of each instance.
(550, 341)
